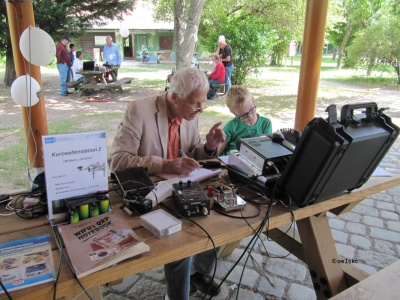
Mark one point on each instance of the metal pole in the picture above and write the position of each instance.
(20, 16)
(311, 57)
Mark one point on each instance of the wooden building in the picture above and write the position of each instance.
(143, 30)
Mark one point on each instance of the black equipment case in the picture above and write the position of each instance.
(334, 156)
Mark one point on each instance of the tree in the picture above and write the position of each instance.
(249, 41)
(378, 43)
(186, 16)
(58, 17)
(186, 27)
(255, 29)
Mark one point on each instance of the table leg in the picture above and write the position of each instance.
(85, 81)
(320, 255)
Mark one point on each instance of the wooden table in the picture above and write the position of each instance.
(318, 247)
(102, 83)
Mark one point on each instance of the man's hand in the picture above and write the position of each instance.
(215, 137)
(182, 165)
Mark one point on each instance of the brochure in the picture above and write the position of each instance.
(26, 262)
(100, 242)
(75, 165)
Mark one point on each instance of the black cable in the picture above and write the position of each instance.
(60, 245)
(252, 242)
(5, 290)
(209, 237)
(61, 249)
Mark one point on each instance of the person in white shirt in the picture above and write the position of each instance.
(78, 66)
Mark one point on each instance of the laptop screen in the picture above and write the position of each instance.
(88, 65)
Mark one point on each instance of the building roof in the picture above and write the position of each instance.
(141, 18)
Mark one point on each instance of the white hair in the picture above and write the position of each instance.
(188, 80)
(221, 39)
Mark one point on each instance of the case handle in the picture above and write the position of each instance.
(348, 109)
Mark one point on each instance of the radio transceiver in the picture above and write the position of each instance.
(190, 199)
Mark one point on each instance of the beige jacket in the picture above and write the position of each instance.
(142, 136)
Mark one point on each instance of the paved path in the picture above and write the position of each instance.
(370, 233)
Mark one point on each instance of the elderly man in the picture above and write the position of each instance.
(151, 134)
(225, 51)
(64, 64)
(111, 54)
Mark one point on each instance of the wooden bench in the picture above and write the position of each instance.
(118, 84)
(72, 84)
(219, 88)
(382, 285)
(109, 88)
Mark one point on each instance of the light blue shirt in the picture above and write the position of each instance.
(111, 54)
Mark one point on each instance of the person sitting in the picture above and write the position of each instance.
(247, 123)
(78, 66)
(216, 77)
(152, 132)
(144, 53)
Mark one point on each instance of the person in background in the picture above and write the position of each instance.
(151, 134)
(111, 54)
(247, 123)
(225, 51)
(78, 66)
(63, 64)
(144, 53)
(216, 77)
(72, 50)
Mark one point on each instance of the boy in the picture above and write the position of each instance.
(247, 123)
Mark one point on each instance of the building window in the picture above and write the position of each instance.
(165, 42)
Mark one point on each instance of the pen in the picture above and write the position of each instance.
(183, 154)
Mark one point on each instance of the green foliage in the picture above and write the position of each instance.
(249, 41)
(378, 44)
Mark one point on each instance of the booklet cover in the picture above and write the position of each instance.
(75, 165)
(100, 242)
(26, 262)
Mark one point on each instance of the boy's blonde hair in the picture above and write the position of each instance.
(237, 96)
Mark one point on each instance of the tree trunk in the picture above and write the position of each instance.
(10, 74)
(186, 29)
(371, 64)
(343, 44)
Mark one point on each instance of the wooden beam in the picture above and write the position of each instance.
(20, 17)
(313, 42)
(321, 256)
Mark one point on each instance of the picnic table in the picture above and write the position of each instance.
(102, 84)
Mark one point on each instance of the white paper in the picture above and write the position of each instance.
(198, 175)
(75, 165)
(224, 159)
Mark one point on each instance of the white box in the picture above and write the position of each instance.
(161, 223)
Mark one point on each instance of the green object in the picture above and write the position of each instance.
(104, 206)
(74, 213)
(94, 209)
(84, 211)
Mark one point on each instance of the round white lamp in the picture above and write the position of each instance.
(124, 31)
(25, 91)
(37, 46)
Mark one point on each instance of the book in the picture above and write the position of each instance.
(26, 262)
(100, 242)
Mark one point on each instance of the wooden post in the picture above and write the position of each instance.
(20, 16)
(313, 42)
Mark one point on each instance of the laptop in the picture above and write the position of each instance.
(88, 65)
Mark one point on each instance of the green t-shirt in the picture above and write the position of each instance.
(235, 129)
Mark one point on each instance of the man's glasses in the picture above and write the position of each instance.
(246, 114)
(200, 106)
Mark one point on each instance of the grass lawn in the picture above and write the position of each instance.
(275, 92)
